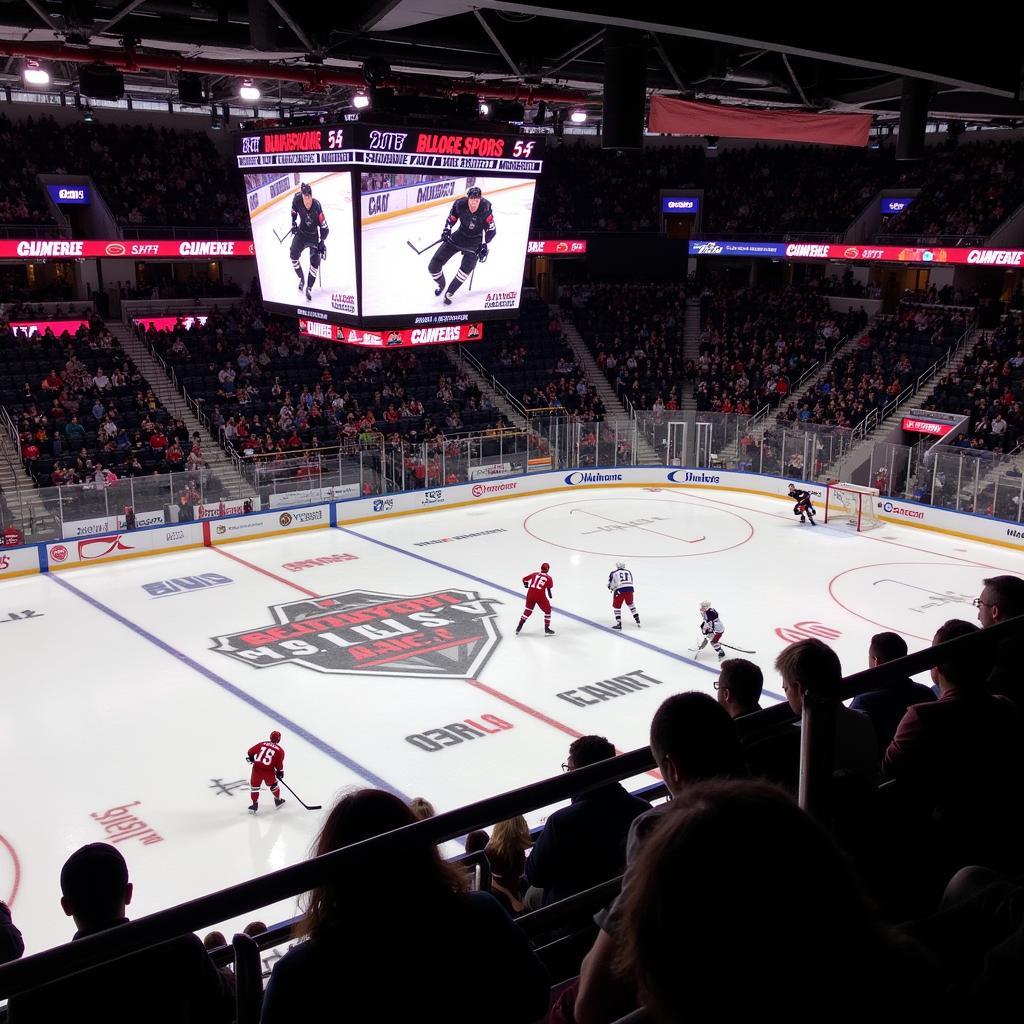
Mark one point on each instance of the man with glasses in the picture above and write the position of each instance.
(739, 687)
(584, 844)
(1002, 598)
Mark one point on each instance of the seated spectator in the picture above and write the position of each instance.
(887, 705)
(692, 739)
(477, 840)
(12, 945)
(739, 686)
(175, 981)
(1002, 599)
(422, 808)
(696, 919)
(506, 852)
(584, 844)
(959, 758)
(407, 909)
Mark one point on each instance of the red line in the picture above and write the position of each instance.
(419, 650)
(17, 871)
(267, 572)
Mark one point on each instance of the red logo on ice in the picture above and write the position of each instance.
(806, 630)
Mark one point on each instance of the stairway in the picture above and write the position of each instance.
(463, 361)
(23, 498)
(616, 413)
(691, 350)
(221, 465)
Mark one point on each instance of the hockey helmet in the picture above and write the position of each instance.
(275, 737)
(544, 566)
(474, 192)
(306, 189)
(620, 565)
(705, 605)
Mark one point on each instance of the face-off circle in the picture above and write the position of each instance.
(10, 872)
(638, 527)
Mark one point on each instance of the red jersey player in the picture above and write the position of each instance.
(267, 760)
(538, 592)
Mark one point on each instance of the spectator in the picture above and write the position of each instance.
(1003, 598)
(214, 940)
(422, 808)
(477, 840)
(959, 758)
(696, 919)
(739, 686)
(812, 663)
(404, 908)
(12, 945)
(887, 705)
(585, 843)
(506, 853)
(692, 739)
(175, 981)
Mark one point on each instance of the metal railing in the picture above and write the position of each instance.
(492, 382)
(814, 795)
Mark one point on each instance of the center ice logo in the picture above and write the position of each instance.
(444, 634)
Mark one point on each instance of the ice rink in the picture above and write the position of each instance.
(395, 279)
(130, 701)
(337, 272)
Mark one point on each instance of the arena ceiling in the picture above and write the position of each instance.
(305, 54)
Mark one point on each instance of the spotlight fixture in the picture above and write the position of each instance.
(485, 109)
(578, 116)
(360, 101)
(34, 74)
(248, 91)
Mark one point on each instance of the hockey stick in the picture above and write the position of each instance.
(420, 252)
(281, 238)
(693, 650)
(742, 650)
(309, 807)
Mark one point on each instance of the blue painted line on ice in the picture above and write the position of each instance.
(275, 716)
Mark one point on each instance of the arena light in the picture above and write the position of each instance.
(485, 109)
(34, 74)
(248, 91)
(360, 101)
(578, 116)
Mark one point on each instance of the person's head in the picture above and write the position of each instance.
(959, 671)
(473, 197)
(1002, 598)
(544, 566)
(214, 940)
(739, 686)
(358, 894)
(275, 737)
(307, 195)
(697, 910)
(588, 750)
(422, 808)
(804, 664)
(94, 886)
(477, 840)
(510, 837)
(886, 647)
(254, 928)
(792, 488)
(693, 738)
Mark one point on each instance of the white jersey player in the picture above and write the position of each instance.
(712, 628)
(620, 583)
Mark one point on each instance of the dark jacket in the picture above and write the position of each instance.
(887, 706)
(585, 843)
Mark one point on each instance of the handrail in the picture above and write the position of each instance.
(489, 377)
(286, 883)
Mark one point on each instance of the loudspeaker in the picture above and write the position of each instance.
(190, 88)
(625, 81)
(913, 118)
(100, 81)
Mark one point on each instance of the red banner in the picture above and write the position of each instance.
(558, 247)
(683, 117)
(449, 334)
(168, 323)
(28, 328)
(77, 248)
(926, 426)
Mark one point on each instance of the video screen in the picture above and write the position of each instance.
(408, 270)
(304, 239)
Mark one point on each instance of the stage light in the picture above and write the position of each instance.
(248, 91)
(578, 116)
(360, 101)
(34, 74)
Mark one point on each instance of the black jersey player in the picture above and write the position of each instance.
(803, 507)
(469, 230)
(310, 230)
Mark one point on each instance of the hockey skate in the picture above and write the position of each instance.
(618, 625)
(447, 298)
(309, 294)
(636, 619)
(548, 631)
(253, 808)
(278, 800)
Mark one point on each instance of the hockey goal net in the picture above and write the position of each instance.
(851, 504)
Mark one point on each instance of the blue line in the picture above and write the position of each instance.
(321, 745)
(569, 615)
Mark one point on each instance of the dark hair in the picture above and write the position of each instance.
(695, 909)
(1009, 594)
(354, 896)
(743, 679)
(699, 735)
(93, 881)
(477, 840)
(888, 647)
(810, 661)
(589, 750)
(968, 669)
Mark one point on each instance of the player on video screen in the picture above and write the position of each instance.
(310, 229)
(472, 217)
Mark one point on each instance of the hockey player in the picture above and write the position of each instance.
(310, 230)
(803, 507)
(538, 592)
(620, 583)
(472, 219)
(267, 760)
(712, 628)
